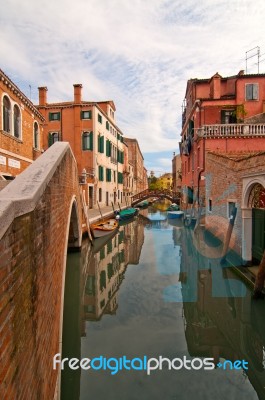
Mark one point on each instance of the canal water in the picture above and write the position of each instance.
(153, 308)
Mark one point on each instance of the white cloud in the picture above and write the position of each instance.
(140, 53)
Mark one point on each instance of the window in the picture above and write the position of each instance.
(100, 144)
(54, 116)
(107, 125)
(53, 137)
(86, 114)
(252, 91)
(210, 205)
(100, 118)
(87, 141)
(108, 175)
(120, 177)
(120, 157)
(108, 148)
(230, 208)
(228, 116)
(99, 194)
(36, 143)
(17, 119)
(6, 114)
(100, 173)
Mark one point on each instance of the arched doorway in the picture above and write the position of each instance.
(253, 217)
(257, 203)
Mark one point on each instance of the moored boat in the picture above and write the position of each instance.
(104, 228)
(173, 207)
(143, 204)
(175, 214)
(127, 213)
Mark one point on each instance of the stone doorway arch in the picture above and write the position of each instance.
(252, 196)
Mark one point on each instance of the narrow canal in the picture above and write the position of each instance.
(158, 290)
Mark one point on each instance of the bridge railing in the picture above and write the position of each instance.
(156, 193)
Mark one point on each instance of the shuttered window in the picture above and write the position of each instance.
(100, 173)
(100, 144)
(86, 114)
(252, 91)
(87, 141)
(108, 175)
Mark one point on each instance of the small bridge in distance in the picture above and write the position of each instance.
(160, 193)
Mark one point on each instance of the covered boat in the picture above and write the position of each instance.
(128, 213)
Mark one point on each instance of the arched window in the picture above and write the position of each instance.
(257, 196)
(6, 114)
(17, 119)
(36, 143)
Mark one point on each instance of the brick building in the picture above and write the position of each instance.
(217, 116)
(95, 139)
(136, 158)
(237, 180)
(21, 126)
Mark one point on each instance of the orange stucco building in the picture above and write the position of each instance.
(218, 116)
(95, 139)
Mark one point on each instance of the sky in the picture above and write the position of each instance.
(137, 53)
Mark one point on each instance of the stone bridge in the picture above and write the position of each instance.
(40, 217)
(161, 193)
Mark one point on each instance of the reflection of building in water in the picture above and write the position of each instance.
(106, 271)
(220, 320)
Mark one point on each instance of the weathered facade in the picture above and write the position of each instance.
(136, 159)
(95, 139)
(215, 118)
(237, 180)
(21, 126)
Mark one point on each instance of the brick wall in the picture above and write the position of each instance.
(224, 177)
(32, 267)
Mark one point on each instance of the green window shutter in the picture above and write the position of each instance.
(122, 157)
(50, 139)
(91, 141)
(107, 148)
(108, 175)
(101, 144)
(118, 136)
(50, 116)
(100, 173)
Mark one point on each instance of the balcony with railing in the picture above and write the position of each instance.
(231, 130)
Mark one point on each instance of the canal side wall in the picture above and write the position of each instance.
(224, 184)
(39, 211)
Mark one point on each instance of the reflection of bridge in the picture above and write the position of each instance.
(161, 193)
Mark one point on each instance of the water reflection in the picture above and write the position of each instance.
(106, 270)
(176, 299)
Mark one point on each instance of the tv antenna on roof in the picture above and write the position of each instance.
(256, 54)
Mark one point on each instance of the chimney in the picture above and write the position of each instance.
(43, 95)
(78, 93)
(241, 72)
(215, 86)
